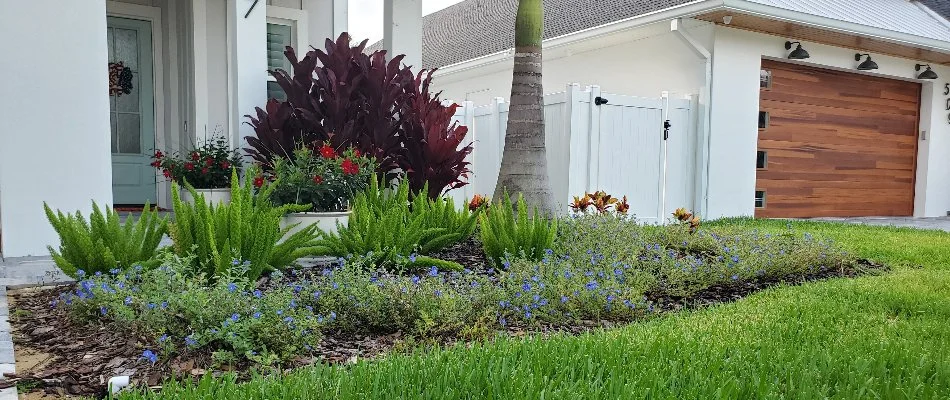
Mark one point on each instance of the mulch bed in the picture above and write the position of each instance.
(87, 355)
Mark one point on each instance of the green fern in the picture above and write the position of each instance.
(245, 231)
(384, 223)
(104, 243)
(506, 230)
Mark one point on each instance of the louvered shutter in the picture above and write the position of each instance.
(279, 36)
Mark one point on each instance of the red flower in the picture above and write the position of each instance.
(189, 166)
(204, 170)
(159, 154)
(258, 181)
(195, 156)
(317, 179)
(327, 152)
(225, 165)
(167, 173)
(350, 167)
(356, 153)
(156, 163)
(209, 162)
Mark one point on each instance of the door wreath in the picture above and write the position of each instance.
(120, 79)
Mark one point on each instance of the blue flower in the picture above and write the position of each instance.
(335, 285)
(151, 306)
(564, 299)
(258, 294)
(543, 302)
(415, 279)
(567, 274)
(190, 341)
(433, 271)
(618, 271)
(257, 315)
(735, 277)
(412, 257)
(536, 298)
(164, 304)
(235, 317)
(293, 303)
(466, 271)
(610, 298)
(128, 300)
(591, 285)
(235, 262)
(735, 259)
(103, 310)
(506, 264)
(548, 251)
(327, 272)
(526, 287)
(474, 284)
(289, 320)
(162, 338)
(503, 304)
(114, 271)
(332, 315)
(280, 312)
(527, 314)
(316, 295)
(502, 322)
(150, 356)
(437, 293)
(98, 273)
(232, 287)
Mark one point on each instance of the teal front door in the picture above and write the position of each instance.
(132, 112)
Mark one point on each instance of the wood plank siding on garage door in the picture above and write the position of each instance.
(837, 144)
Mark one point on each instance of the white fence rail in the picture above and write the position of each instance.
(617, 146)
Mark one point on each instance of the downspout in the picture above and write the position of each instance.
(702, 186)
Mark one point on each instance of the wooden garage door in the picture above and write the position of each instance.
(835, 144)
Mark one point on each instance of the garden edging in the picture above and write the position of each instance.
(19, 273)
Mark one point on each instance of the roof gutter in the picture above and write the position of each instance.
(689, 9)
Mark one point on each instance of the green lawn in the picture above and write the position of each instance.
(876, 337)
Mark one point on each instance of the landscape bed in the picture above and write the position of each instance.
(603, 271)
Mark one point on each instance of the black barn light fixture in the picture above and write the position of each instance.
(799, 53)
(867, 65)
(927, 74)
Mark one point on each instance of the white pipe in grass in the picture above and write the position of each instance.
(116, 383)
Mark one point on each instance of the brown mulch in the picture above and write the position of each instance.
(468, 253)
(85, 356)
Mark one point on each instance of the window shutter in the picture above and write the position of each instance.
(279, 36)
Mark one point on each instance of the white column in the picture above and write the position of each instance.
(325, 19)
(402, 30)
(55, 137)
(247, 68)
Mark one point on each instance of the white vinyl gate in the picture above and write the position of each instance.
(597, 141)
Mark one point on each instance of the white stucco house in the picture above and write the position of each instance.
(775, 134)
(198, 66)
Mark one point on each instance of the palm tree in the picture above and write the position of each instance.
(524, 166)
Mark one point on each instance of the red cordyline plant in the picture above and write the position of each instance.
(346, 98)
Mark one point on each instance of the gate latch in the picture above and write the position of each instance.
(666, 129)
(599, 101)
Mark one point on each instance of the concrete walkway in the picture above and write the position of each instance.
(932, 223)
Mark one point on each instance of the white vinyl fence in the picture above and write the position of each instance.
(617, 146)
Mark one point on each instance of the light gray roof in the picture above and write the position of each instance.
(475, 28)
(894, 15)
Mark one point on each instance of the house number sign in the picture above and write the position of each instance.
(946, 92)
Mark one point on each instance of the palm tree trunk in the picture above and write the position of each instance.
(524, 168)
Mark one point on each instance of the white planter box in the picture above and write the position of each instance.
(325, 221)
(213, 196)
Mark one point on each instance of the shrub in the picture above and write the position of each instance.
(345, 97)
(601, 203)
(678, 260)
(384, 225)
(206, 167)
(321, 178)
(179, 312)
(245, 230)
(104, 243)
(509, 232)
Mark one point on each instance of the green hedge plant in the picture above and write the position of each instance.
(245, 231)
(385, 224)
(506, 231)
(103, 242)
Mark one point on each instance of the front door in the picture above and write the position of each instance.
(132, 111)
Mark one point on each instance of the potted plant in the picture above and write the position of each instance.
(207, 169)
(321, 177)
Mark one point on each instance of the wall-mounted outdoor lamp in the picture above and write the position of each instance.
(799, 53)
(927, 74)
(867, 65)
